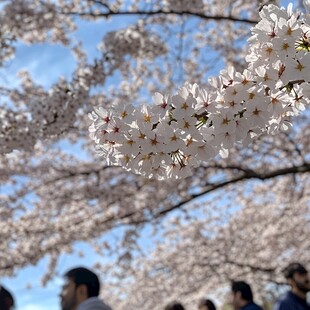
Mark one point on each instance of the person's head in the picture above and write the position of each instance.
(297, 277)
(241, 294)
(80, 285)
(6, 299)
(174, 306)
(206, 304)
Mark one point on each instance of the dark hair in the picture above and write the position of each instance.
(174, 306)
(208, 303)
(84, 276)
(243, 288)
(293, 268)
(6, 299)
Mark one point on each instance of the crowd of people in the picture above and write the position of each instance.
(82, 287)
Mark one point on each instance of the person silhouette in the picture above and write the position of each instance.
(6, 299)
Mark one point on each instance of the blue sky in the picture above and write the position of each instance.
(46, 63)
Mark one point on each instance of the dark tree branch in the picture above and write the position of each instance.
(247, 174)
(160, 12)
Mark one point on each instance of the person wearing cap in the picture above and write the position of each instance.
(298, 279)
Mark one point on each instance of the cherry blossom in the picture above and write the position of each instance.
(221, 165)
(263, 101)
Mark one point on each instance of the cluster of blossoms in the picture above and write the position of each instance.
(133, 41)
(47, 113)
(40, 22)
(15, 131)
(6, 39)
(183, 5)
(177, 132)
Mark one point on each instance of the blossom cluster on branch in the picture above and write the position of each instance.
(170, 137)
